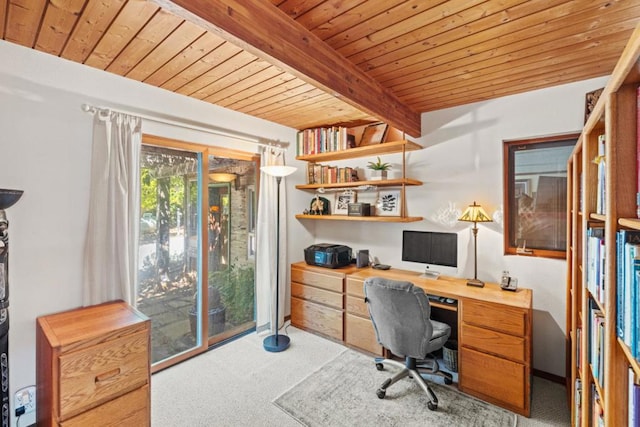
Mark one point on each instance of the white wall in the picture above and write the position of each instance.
(463, 163)
(45, 148)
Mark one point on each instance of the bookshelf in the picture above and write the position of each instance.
(388, 147)
(601, 367)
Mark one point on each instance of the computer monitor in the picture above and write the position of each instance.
(432, 248)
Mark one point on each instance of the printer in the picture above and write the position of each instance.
(328, 255)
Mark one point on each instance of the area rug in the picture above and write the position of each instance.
(343, 393)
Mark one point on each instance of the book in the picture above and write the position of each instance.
(638, 152)
(577, 402)
(600, 160)
(595, 263)
(627, 249)
(633, 407)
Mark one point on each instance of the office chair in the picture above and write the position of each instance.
(400, 313)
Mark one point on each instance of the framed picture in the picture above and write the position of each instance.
(341, 205)
(388, 203)
(374, 134)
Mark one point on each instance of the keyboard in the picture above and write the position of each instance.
(441, 300)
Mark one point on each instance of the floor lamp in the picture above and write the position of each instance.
(277, 342)
(474, 213)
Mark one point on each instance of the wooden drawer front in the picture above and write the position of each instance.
(319, 280)
(355, 287)
(494, 379)
(131, 409)
(359, 333)
(324, 320)
(495, 316)
(508, 346)
(356, 305)
(316, 295)
(103, 372)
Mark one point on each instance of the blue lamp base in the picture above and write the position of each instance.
(276, 343)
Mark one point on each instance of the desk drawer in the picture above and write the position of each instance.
(131, 409)
(319, 280)
(355, 287)
(359, 333)
(101, 373)
(495, 316)
(494, 379)
(357, 306)
(316, 317)
(488, 341)
(321, 296)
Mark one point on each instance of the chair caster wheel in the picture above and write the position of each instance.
(381, 393)
(448, 381)
(432, 406)
(379, 366)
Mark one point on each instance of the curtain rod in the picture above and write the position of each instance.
(91, 109)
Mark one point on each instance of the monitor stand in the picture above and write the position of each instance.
(430, 274)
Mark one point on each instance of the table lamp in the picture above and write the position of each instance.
(474, 213)
(276, 342)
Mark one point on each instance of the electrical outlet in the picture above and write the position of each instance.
(26, 397)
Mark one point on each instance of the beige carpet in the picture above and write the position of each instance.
(342, 393)
(236, 384)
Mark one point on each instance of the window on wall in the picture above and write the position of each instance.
(535, 195)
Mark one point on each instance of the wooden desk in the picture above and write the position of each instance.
(493, 326)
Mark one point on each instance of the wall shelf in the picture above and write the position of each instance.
(379, 183)
(366, 151)
(361, 218)
(391, 147)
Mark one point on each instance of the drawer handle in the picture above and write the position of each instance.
(107, 375)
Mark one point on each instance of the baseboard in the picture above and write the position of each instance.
(551, 377)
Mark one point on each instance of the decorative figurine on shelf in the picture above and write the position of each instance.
(319, 206)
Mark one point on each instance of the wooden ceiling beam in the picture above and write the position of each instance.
(262, 29)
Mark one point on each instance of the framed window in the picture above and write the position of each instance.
(535, 195)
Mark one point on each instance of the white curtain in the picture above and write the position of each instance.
(111, 247)
(266, 245)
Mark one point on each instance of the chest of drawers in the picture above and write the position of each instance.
(317, 299)
(93, 367)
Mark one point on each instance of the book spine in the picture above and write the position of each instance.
(633, 406)
(638, 151)
(601, 162)
(619, 284)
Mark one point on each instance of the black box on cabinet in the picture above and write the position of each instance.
(359, 209)
(328, 255)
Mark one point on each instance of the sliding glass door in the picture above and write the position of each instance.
(168, 264)
(231, 231)
(196, 267)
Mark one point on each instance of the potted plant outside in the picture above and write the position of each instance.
(379, 169)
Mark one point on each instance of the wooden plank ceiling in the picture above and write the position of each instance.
(384, 60)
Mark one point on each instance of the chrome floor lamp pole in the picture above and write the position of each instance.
(276, 342)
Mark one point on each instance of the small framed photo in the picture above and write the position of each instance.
(374, 134)
(341, 205)
(388, 203)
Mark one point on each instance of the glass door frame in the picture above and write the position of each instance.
(204, 150)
